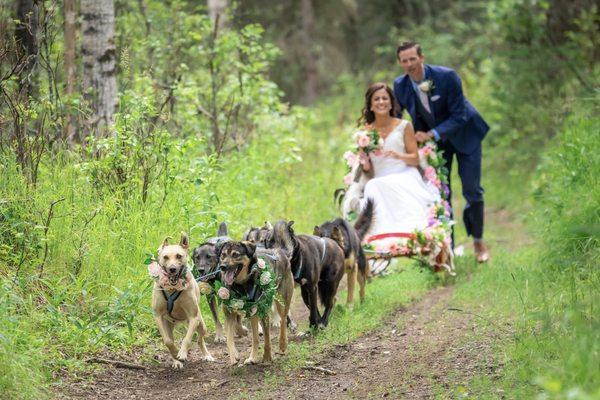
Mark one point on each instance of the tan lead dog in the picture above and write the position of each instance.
(175, 300)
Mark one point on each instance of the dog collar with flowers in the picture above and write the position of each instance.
(256, 301)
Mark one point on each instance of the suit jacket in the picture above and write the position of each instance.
(455, 119)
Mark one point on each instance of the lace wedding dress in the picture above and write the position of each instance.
(401, 197)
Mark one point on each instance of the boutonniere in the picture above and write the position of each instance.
(426, 86)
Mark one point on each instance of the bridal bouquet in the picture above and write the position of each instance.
(366, 142)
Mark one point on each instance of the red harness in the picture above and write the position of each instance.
(391, 235)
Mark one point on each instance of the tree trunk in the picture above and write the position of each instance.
(69, 53)
(99, 63)
(27, 45)
(218, 8)
(309, 56)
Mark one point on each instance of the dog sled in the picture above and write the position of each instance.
(431, 246)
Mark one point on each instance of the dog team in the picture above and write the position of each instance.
(315, 262)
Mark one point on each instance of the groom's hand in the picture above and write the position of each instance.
(422, 136)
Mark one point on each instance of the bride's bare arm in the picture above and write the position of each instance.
(411, 157)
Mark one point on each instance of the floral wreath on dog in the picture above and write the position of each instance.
(266, 283)
(426, 244)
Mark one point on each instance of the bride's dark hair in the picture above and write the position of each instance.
(368, 116)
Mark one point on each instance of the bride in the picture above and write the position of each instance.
(400, 195)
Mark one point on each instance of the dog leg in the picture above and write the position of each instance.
(253, 359)
(276, 318)
(230, 322)
(282, 312)
(351, 284)
(309, 295)
(219, 335)
(166, 331)
(362, 281)
(202, 332)
(187, 340)
(240, 329)
(267, 355)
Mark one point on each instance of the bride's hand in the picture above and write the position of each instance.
(392, 154)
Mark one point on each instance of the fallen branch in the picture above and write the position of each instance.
(118, 364)
(320, 369)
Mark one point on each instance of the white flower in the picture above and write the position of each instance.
(380, 142)
(205, 288)
(265, 278)
(223, 293)
(426, 86)
(237, 304)
(260, 263)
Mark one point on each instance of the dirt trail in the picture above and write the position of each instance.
(421, 351)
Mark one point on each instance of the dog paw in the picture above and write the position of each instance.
(219, 338)
(207, 358)
(182, 355)
(250, 361)
(267, 359)
(177, 364)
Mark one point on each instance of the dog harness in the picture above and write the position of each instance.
(299, 270)
(170, 299)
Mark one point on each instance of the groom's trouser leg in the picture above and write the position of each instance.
(469, 170)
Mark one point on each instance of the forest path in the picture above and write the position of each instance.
(420, 350)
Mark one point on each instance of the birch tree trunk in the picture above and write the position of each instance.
(69, 54)
(218, 7)
(99, 63)
(310, 59)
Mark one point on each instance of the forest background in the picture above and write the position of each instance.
(122, 122)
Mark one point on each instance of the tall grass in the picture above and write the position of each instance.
(551, 292)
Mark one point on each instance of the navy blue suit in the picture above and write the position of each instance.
(461, 130)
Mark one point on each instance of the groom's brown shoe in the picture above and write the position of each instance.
(482, 253)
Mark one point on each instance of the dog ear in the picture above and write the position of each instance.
(268, 225)
(185, 241)
(250, 248)
(222, 229)
(289, 226)
(336, 234)
(165, 243)
(317, 231)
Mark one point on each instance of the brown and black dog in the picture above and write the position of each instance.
(206, 261)
(238, 263)
(317, 265)
(349, 238)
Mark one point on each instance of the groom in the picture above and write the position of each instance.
(433, 97)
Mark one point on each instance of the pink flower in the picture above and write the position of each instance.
(348, 179)
(363, 141)
(447, 241)
(223, 293)
(430, 174)
(425, 151)
(404, 250)
(428, 235)
(154, 270)
(351, 158)
(394, 248)
(261, 263)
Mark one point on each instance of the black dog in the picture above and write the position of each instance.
(258, 236)
(349, 238)
(206, 261)
(317, 265)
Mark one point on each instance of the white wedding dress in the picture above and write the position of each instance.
(401, 197)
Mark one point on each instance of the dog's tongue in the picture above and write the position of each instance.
(229, 276)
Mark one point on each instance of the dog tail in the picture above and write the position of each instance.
(364, 220)
(338, 197)
(222, 229)
(282, 235)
